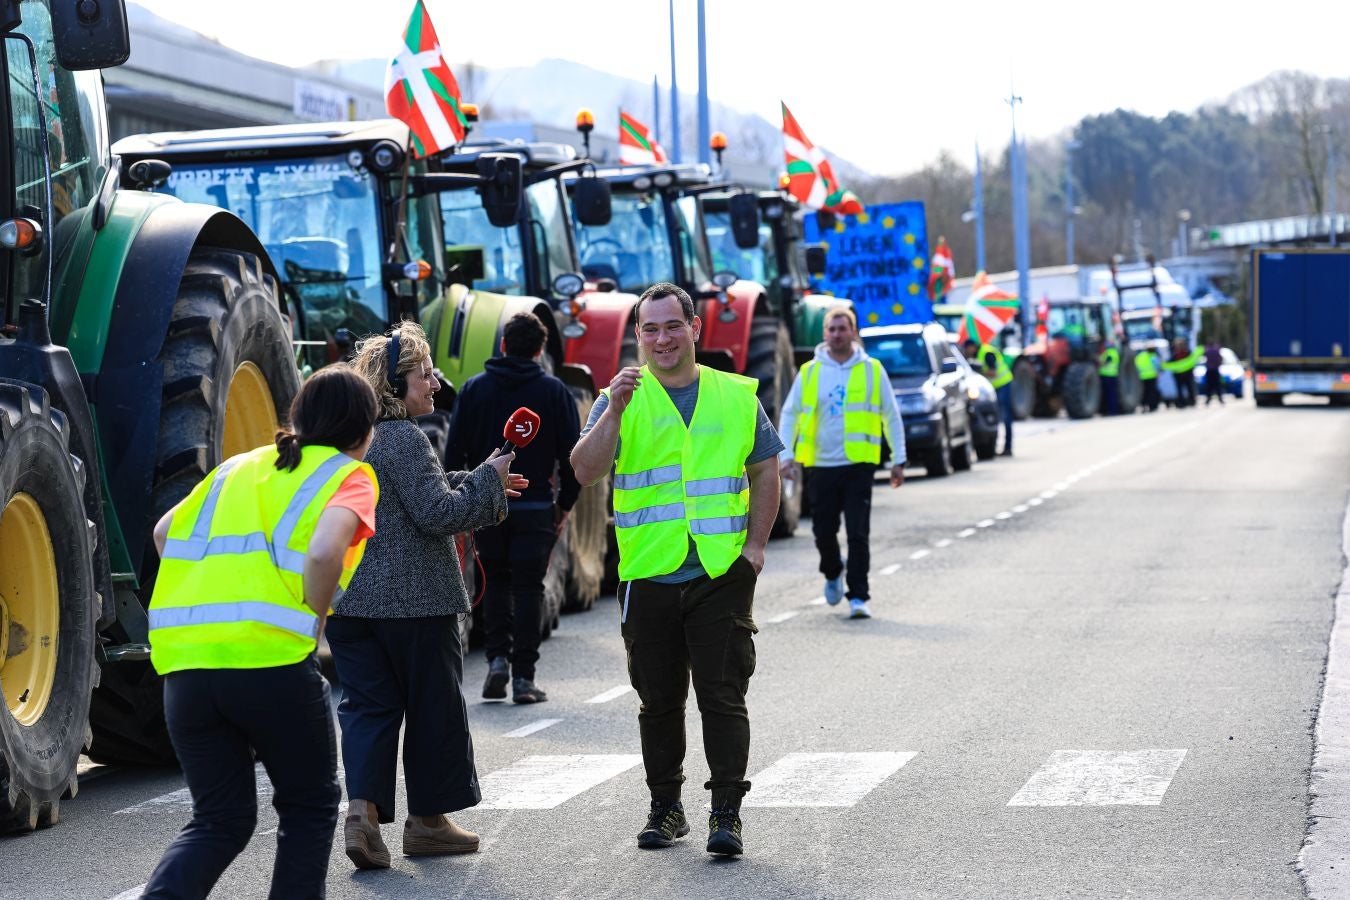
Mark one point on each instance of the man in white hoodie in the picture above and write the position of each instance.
(839, 407)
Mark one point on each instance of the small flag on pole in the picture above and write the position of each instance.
(636, 146)
(942, 272)
(986, 311)
(810, 176)
(421, 91)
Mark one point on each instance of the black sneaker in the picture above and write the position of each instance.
(524, 690)
(724, 832)
(664, 825)
(499, 673)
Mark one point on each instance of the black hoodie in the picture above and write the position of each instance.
(482, 408)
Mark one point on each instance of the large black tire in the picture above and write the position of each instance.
(583, 542)
(939, 462)
(1269, 399)
(1082, 390)
(961, 460)
(986, 449)
(1023, 388)
(46, 567)
(1129, 389)
(769, 359)
(229, 378)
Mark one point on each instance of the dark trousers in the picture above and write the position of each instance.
(397, 670)
(1110, 395)
(1005, 411)
(1152, 396)
(1185, 388)
(218, 718)
(515, 558)
(1213, 385)
(846, 490)
(702, 628)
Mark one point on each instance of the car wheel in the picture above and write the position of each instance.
(940, 460)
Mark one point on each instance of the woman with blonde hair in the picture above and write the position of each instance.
(394, 634)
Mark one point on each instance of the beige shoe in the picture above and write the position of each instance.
(365, 846)
(436, 840)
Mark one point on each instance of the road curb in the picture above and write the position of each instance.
(1324, 861)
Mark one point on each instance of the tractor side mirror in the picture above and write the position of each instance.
(815, 260)
(91, 35)
(744, 209)
(148, 174)
(501, 189)
(592, 202)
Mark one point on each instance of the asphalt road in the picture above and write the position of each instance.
(1094, 672)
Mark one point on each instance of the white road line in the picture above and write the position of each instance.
(891, 569)
(823, 779)
(984, 523)
(1035, 501)
(182, 798)
(611, 694)
(965, 532)
(945, 542)
(131, 894)
(527, 730)
(819, 601)
(544, 782)
(1049, 495)
(1020, 508)
(1061, 485)
(1101, 778)
(1003, 515)
(783, 617)
(919, 554)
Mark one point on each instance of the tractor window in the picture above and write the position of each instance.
(695, 258)
(466, 226)
(28, 274)
(548, 224)
(759, 264)
(424, 242)
(633, 249)
(319, 220)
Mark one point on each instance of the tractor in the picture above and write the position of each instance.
(1061, 364)
(141, 343)
(365, 236)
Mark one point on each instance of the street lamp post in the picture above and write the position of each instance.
(675, 153)
(976, 212)
(1021, 231)
(1070, 211)
(1183, 237)
(704, 126)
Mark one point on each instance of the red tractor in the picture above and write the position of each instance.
(1062, 364)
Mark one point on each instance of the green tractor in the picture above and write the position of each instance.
(141, 343)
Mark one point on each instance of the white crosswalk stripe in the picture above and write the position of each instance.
(543, 782)
(823, 779)
(1101, 778)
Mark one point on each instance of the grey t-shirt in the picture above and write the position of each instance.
(767, 444)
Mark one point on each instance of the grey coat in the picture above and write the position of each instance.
(410, 568)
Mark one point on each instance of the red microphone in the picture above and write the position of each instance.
(520, 429)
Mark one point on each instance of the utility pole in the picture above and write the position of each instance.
(1069, 211)
(1021, 230)
(1332, 201)
(979, 211)
(675, 154)
(704, 126)
(656, 110)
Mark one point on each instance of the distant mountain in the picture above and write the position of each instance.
(551, 91)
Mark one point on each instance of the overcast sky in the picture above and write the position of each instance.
(883, 83)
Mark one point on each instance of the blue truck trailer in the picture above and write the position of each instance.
(1300, 323)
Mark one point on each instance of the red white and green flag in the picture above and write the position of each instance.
(636, 146)
(420, 90)
(941, 273)
(986, 311)
(810, 177)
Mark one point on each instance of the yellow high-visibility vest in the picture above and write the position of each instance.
(862, 412)
(673, 481)
(1147, 364)
(1110, 364)
(230, 590)
(1002, 374)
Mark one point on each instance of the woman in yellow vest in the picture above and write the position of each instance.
(252, 559)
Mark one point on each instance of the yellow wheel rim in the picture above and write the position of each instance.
(30, 609)
(250, 415)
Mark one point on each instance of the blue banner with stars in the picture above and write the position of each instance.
(879, 260)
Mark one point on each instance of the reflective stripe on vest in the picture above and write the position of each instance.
(1002, 374)
(230, 589)
(1147, 364)
(1110, 364)
(862, 412)
(674, 483)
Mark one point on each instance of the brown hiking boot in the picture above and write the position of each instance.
(436, 840)
(365, 846)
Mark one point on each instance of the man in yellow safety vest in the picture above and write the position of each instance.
(695, 496)
(992, 365)
(1146, 363)
(834, 417)
(1108, 370)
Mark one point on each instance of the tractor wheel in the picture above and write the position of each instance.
(1023, 388)
(1129, 389)
(940, 459)
(582, 543)
(770, 360)
(1082, 390)
(49, 607)
(229, 376)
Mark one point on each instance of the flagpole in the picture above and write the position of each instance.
(656, 111)
(676, 152)
(704, 126)
(402, 213)
(979, 211)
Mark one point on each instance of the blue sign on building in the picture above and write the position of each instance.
(879, 260)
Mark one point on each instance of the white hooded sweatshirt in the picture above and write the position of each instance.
(831, 382)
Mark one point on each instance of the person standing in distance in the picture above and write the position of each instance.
(515, 554)
(695, 496)
(252, 559)
(835, 415)
(990, 363)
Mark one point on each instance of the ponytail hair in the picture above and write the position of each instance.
(335, 408)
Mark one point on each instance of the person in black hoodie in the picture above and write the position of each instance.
(515, 554)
